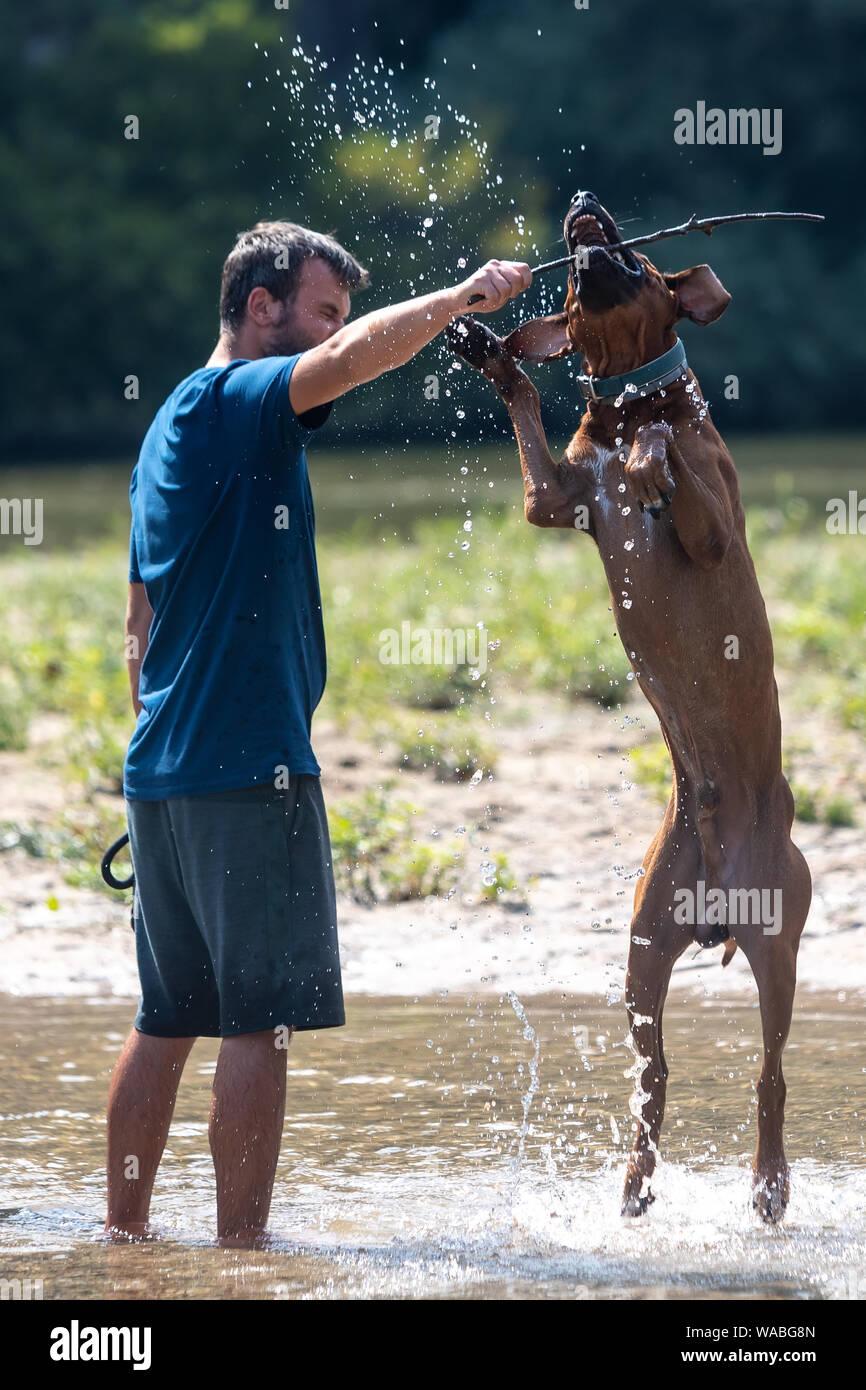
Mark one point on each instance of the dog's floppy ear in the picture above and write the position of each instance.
(540, 340)
(703, 298)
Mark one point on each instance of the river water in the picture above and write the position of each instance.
(452, 1147)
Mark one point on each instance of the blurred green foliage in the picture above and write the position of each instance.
(112, 247)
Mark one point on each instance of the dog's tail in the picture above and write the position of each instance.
(730, 948)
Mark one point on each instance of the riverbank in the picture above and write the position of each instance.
(564, 810)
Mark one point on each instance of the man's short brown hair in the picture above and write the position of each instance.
(271, 255)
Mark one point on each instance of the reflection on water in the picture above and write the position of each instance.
(456, 1148)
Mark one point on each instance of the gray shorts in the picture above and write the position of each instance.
(235, 912)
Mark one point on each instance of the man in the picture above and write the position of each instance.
(235, 919)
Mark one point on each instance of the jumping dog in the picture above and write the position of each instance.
(649, 478)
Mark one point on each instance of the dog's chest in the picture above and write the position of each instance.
(613, 506)
(627, 538)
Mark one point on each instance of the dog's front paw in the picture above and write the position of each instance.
(649, 479)
(474, 342)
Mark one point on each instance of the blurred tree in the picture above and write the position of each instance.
(112, 246)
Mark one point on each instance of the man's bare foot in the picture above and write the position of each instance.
(247, 1240)
(131, 1232)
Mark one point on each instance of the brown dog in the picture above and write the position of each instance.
(650, 479)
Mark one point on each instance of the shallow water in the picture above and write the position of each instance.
(453, 1148)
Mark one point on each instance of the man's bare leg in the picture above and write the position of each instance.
(246, 1129)
(140, 1106)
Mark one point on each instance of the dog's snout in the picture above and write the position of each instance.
(583, 196)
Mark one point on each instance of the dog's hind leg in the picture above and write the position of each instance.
(649, 972)
(772, 956)
(774, 966)
(657, 942)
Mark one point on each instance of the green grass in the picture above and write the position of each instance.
(452, 751)
(77, 841)
(377, 856)
(497, 881)
(537, 601)
(839, 811)
(651, 766)
(387, 487)
(805, 803)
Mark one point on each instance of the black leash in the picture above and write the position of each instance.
(107, 860)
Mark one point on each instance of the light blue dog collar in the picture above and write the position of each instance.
(646, 379)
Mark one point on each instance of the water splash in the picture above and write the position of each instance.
(424, 176)
(530, 1036)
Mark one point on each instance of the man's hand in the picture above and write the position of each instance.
(496, 282)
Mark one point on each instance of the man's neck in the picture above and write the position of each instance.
(231, 349)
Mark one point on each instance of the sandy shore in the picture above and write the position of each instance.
(562, 807)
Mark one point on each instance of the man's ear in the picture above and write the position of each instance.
(702, 296)
(540, 340)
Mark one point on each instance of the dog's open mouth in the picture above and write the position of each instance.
(589, 227)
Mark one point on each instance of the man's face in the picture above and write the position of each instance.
(318, 308)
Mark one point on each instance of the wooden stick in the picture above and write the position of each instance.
(694, 224)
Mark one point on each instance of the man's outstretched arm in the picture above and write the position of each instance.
(389, 337)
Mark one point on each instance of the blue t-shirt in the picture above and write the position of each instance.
(223, 539)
